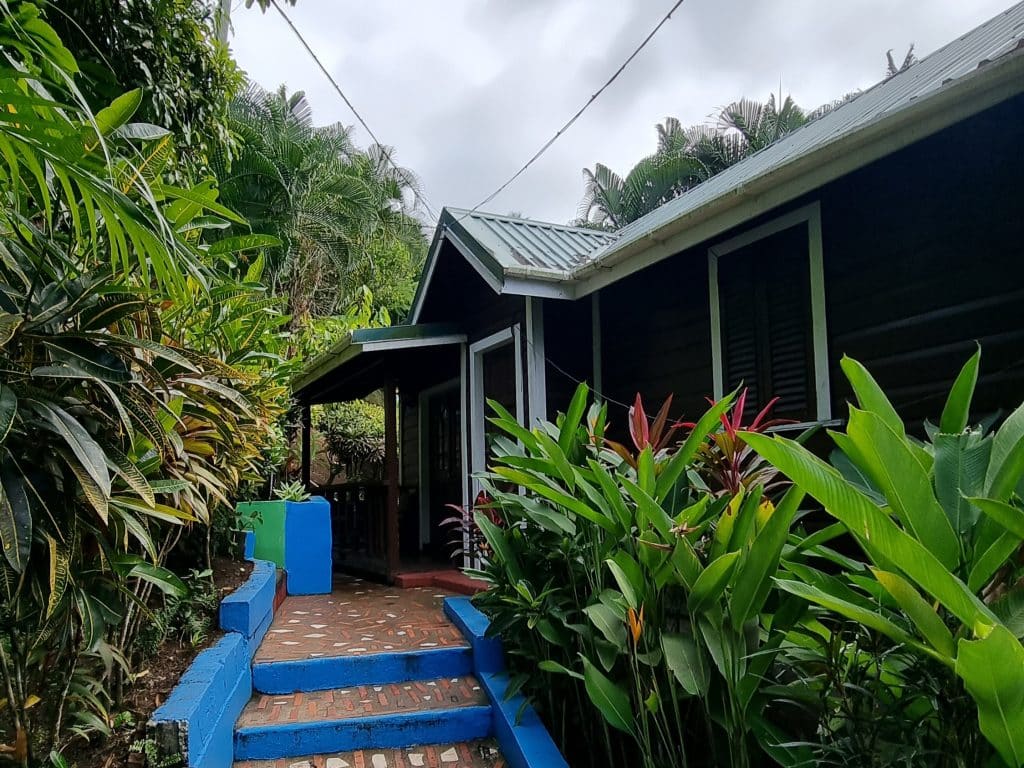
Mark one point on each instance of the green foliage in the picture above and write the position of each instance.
(166, 48)
(292, 492)
(685, 157)
(939, 523)
(353, 434)
(342, 215)
(621, 573)
(139, 383)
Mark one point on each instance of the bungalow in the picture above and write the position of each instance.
(889, 229)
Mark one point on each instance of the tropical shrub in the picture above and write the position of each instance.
(123, 424)
(635, 591)
(353, 434)
(940, 524)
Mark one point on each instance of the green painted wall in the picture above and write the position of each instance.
(268, 519)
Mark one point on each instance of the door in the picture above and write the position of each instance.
(444, 470)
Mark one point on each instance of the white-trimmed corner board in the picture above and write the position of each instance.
(811, 216)
(477, 402)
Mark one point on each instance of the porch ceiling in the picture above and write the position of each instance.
(369, 358)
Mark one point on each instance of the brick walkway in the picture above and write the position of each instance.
(358, 618)
(360, 701)
(477, 754)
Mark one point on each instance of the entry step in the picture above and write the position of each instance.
(389, 716)
(362, 701)
(474, 754)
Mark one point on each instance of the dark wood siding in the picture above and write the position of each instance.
(569, 349)
(656, 336)
(923, 257)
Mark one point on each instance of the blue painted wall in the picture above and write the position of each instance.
(308, 547)
(198, 718)
(523, 739)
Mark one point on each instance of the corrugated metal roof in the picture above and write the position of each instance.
(993, 39)
(515, 242)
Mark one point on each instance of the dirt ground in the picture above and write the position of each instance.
(156, 677)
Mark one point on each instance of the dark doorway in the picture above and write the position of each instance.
(444, 469)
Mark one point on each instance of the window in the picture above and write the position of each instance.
(768, 324)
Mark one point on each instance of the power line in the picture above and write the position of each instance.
(578, 114)
(387, 155)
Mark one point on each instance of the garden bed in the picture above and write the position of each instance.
(157, 676)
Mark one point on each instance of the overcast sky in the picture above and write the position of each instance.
(467, 90)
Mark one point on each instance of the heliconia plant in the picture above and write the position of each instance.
(940, 523)
(616, 571)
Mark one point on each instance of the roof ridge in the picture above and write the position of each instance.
(461, 213)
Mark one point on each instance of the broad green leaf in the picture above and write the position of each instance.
(608, 622)
(1010, 610)
(687, 663)
(927, 621)
(959, 472)
(571, 422)
(1007, 461)
(119, 112)
(648, 509)
(872, 619)
(141, 132)
(161, 578)
(994, 557)
(553, 666)
(558, 497)
(876, 532)
(712, 582)
(755, 571)
(15, 523)
(1009, 517)
(992, 669)
(870, 395)
(495, 537)
(609, 698)
(8, 410)
(629, 577)
(79, 441)
(905, 483)
(958, 405)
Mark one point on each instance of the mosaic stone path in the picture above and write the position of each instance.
(362, 701)
(359, 618)
(476, 754)
(363, 619)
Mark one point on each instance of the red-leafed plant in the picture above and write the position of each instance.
(657, 434)
(726, 463)
(467, 539)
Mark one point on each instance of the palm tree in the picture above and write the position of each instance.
(330, 204)
(685, 157)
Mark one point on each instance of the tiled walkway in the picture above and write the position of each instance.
(268, 709)
(358, 618)
(363, 619)
(476, 754)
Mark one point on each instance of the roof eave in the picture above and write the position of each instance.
(987, 86)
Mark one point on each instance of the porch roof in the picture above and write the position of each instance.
(367, 358)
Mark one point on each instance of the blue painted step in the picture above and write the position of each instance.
(394, 731)
(346, 671)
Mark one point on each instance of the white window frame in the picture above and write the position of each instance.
(424, 449)
(477, 414)
(536, 373)
(811, 216)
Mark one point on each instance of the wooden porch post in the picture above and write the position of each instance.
(306, 445)
(391, 477)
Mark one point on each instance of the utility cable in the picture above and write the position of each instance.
(578, 114)
(387, 155)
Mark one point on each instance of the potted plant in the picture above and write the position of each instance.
(293, 531)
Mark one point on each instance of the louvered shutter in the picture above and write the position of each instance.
(764, 299)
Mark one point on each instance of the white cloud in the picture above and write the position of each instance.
(468, 90)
